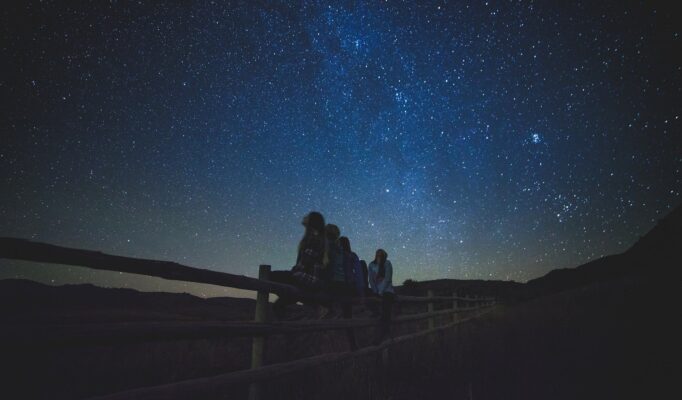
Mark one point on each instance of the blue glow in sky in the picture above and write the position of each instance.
(494, 140)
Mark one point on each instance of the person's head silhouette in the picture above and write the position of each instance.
(314, 221)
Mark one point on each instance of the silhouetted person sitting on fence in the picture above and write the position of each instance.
(381, 283)
(306, 274)
(339, 271)
(355, 277)
(333, 267)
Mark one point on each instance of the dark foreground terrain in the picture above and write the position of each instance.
(608, 340)
(600, 331)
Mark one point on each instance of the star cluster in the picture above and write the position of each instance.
(494, 140)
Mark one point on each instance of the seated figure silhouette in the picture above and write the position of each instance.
(306, 274)
(343, 267)
(381, 283)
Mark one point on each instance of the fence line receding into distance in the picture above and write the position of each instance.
(259, 329)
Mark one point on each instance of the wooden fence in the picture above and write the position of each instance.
(259, 329)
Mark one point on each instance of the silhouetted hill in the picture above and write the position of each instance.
(662, 245)
(659, 251)
(28, 301)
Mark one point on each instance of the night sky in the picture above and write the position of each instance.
(493, 140)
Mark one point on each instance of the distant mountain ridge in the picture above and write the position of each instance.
(23, 300)
(658, 251)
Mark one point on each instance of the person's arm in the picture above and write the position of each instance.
(372, 283)
(306, 258)
(311, 255)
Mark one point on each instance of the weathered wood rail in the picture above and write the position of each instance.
(259, 329)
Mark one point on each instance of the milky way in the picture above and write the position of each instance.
(494, 140)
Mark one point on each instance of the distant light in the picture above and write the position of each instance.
(535, 138)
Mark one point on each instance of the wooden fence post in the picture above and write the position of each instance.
(432, 320)
(257, 349)
(454, 307)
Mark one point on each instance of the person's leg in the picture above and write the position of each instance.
(373, 306)
(286, 277)
(386, 310)
(326, 308)
(282, 302)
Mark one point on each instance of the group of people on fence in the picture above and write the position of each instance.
(326, 264)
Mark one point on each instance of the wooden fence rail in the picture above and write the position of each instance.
(223, 383)
(135, 332)
(21, 249)
(259, 329)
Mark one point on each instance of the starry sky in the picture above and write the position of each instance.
(487, 140)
